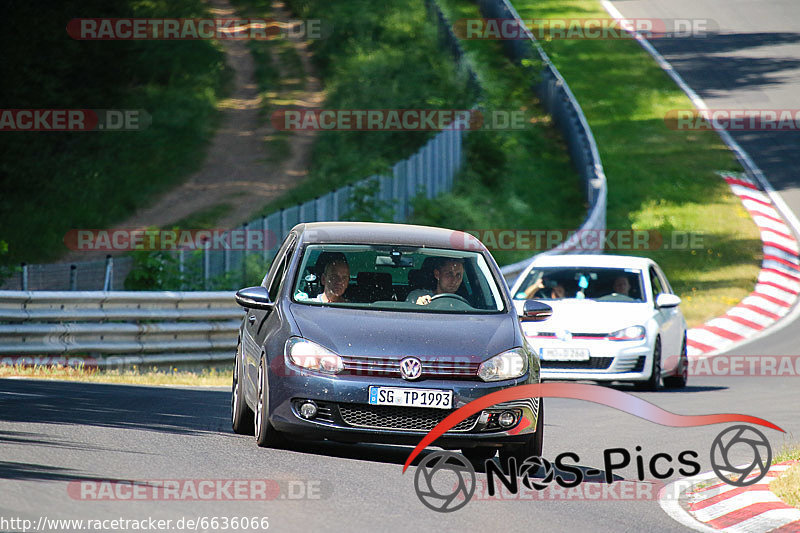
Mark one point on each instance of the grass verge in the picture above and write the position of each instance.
(787, 487)
(52, 182)
(205, 377)
(658, 178)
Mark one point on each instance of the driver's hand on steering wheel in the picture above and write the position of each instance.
(425, 299)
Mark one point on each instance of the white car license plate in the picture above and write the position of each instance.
(406, 397)
(564, 354)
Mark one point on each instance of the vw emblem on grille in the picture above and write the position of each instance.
(563, 335)
(410, 368)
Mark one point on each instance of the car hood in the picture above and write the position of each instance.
(590, 316)
(397, 334)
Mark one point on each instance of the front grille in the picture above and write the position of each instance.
(594, 363)
(431, 367)
(401, 418)
(639, 364)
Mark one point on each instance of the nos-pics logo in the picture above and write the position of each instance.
(446, 481)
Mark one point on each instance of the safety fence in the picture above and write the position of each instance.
(429, 172)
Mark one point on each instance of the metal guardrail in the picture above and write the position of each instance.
(568, 116)
(134, 327)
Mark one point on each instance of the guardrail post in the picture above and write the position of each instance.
(24, 277)
(107, 283)
(73, 277)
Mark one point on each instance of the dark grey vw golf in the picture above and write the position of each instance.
(367, 332)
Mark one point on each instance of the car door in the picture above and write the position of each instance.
(255, 328)
(667, 318)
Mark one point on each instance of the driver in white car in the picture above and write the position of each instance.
(622, 285)
(448, 274)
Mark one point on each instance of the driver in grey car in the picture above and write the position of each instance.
(449, 274)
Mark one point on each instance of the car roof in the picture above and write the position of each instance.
(380, 233)
(594, 260)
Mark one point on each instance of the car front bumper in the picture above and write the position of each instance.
(609, 360)
(344, 412)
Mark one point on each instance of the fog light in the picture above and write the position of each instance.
(507, 419)
(308, 409)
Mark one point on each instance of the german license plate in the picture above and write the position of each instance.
(407, 397)
(564, 354)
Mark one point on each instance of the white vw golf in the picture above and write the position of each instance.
(615, 318)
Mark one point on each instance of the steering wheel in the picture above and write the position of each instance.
(451, 295)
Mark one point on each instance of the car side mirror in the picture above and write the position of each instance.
(535, 311)
(665, 300)
(254, 298)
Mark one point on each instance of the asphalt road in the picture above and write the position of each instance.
(752, 61)
(55, 434)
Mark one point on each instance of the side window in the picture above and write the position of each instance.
(655, 283)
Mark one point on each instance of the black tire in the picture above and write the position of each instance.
(266, 435)
(534, 446)
(479, 454)
(679, 381)
(654, 382)
(241, 414)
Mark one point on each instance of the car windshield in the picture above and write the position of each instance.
(396, 278)
(601, 284)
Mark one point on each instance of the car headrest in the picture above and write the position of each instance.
(328, 257)
(420, 279)
(430, 263)
(375, 279)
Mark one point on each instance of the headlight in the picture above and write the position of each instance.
(632, 333)
(306, 354)
(507, 365)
